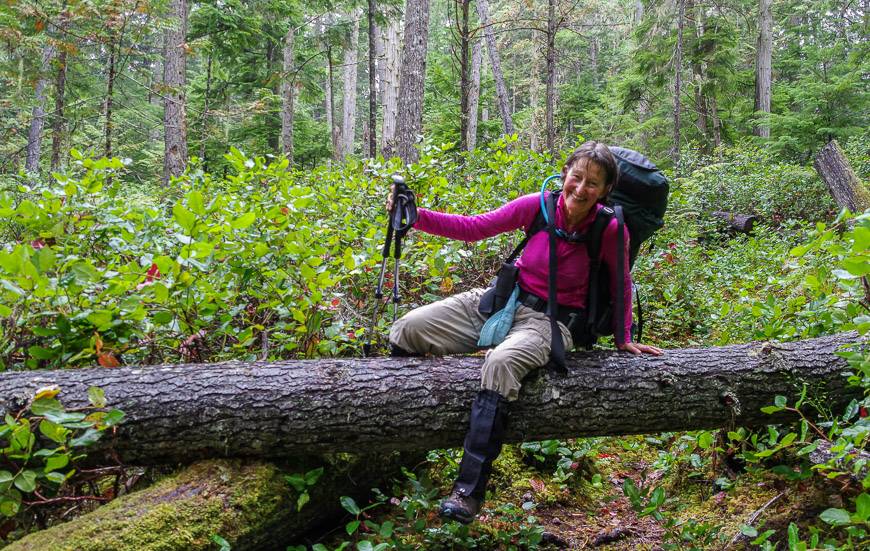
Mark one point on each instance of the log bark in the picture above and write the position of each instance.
(844, 185)
(181, 413)
(738, 222)
(249, 504)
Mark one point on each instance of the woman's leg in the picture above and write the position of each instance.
(449, 326)
(526, 348)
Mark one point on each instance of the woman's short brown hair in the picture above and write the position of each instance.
(600, 154)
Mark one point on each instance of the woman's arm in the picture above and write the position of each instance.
(516, 214)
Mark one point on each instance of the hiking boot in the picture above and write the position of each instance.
(460, 507)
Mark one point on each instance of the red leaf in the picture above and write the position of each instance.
(152, 273)
(862, 411)
(37, 244)
(107, 359)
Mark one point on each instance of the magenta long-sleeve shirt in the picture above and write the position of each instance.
(572, 260)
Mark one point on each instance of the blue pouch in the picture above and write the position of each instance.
(499, 323)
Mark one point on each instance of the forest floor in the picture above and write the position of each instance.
(703, 502)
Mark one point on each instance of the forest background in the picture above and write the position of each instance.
(163, 163)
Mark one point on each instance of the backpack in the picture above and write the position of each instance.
(639, 201)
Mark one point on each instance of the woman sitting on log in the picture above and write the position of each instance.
(454, 325)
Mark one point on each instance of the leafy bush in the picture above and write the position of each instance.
(748, 180)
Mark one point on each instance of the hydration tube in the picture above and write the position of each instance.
(543, 189)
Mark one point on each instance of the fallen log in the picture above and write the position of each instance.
(181, 413)
(737, 222)
(249, 504)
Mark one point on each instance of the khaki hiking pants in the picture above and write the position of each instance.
(452, 326)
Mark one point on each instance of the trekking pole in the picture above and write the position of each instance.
(402, 216)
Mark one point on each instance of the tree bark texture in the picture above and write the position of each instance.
(412, 79)
(495, 63)
(349, 73)
(37, 119)
(247, 503)
(699, 76)
(551, 76)
(288, 83)
(474, 93)
(235, 409)
(464, 70)
(844, 185)
(110, 94)
(763, 62)
(392, 69)
(678, 85)
(58, 126)
(371, 143)
(174, 80)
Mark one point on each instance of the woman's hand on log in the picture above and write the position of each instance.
(637, 348)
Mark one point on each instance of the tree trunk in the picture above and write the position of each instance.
(288, 83)
(373, 88)
(174, 80)
(392, 67)
(187, 412)
(698, 75)
(58, 125)
(551, 76)
(763, 56)
(844, 185)
(37, 120)
(412, 79)
(348, 119)
(330, 103)
(249, 504)
(155, 91)
(534, 100)
(678, 87)
(464, 77)
(110, 87)
(474, 93)
(204, 119)
(495, 64)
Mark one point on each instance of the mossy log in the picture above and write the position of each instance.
(249, 504)
(180, 413)
(844, 185)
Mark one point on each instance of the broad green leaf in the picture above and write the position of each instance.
(26, 481)
(184, 217)
(835, 517)
(56, 462)
(349, 505)
(862, 506)
(53, 431)
(88, 438)
(302, 500)
(351, 527)
(705, 440)
(97, 397)
(780, 401)
(243, 221)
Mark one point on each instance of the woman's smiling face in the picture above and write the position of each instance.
(583, 185)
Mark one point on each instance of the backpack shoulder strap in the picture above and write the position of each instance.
(538, 224)
(596, 232)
